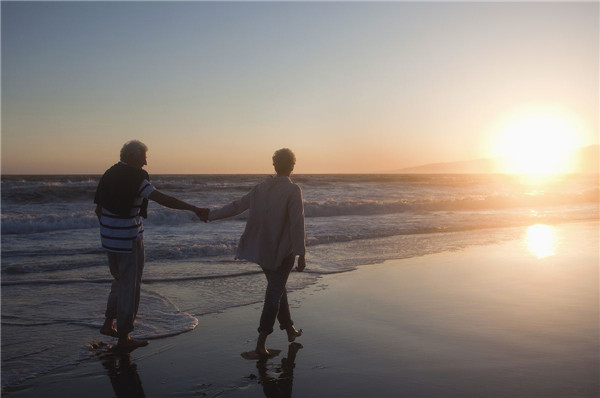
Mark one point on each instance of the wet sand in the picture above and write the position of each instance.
(513, 319)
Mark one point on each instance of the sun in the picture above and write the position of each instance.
(541, 240)
(537, 143)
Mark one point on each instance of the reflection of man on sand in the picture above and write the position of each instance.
(123, 375)
(273, 237)
(281, 386)
(121, 202)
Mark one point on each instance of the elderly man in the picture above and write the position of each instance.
(121, 202)
(273, 237)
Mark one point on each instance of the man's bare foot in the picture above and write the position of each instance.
(109, 331)
(108, 328)
(292, 333)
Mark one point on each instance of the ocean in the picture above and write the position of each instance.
(55, 278)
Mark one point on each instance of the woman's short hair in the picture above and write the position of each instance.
(284, 160)
(132, 149)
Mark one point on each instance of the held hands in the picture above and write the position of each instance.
(202, 213)
(301, 263)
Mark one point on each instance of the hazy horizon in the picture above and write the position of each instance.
(406, 170)
(216, 88)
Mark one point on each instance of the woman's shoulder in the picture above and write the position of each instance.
(295, 188)
(281, 184)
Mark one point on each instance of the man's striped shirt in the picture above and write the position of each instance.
(117, 232)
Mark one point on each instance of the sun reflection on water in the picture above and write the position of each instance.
(541, 240)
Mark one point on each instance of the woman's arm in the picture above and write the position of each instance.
(296, 215)
(232, 209)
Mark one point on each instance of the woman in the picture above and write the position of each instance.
(273, 237)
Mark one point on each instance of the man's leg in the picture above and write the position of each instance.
(108, 328)
(140, 261)
(129, 291)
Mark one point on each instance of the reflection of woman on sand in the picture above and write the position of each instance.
(280, 386)
(274, 235)
(123, 375)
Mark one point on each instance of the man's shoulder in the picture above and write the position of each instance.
(121, 176)
(112, 169)
(126, 170)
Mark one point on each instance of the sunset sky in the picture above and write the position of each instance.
(350, 87)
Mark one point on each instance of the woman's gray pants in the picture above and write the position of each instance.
(276, 303)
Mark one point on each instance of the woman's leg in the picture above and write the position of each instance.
(275, 302)
(283, 316)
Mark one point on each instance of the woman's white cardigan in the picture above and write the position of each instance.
(275, 225)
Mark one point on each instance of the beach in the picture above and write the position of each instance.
(446, 195)
(55, 279)
(515, 318)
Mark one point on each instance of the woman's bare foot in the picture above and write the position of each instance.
(253, 355)
(261, 345)
(127, 343)
(292, 333)
(262, 351)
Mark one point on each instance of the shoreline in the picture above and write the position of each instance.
(411, 341)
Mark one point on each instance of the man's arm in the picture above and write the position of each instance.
(174, 203)
(98, 211)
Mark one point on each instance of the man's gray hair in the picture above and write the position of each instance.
(284, 160)
(132, 149)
